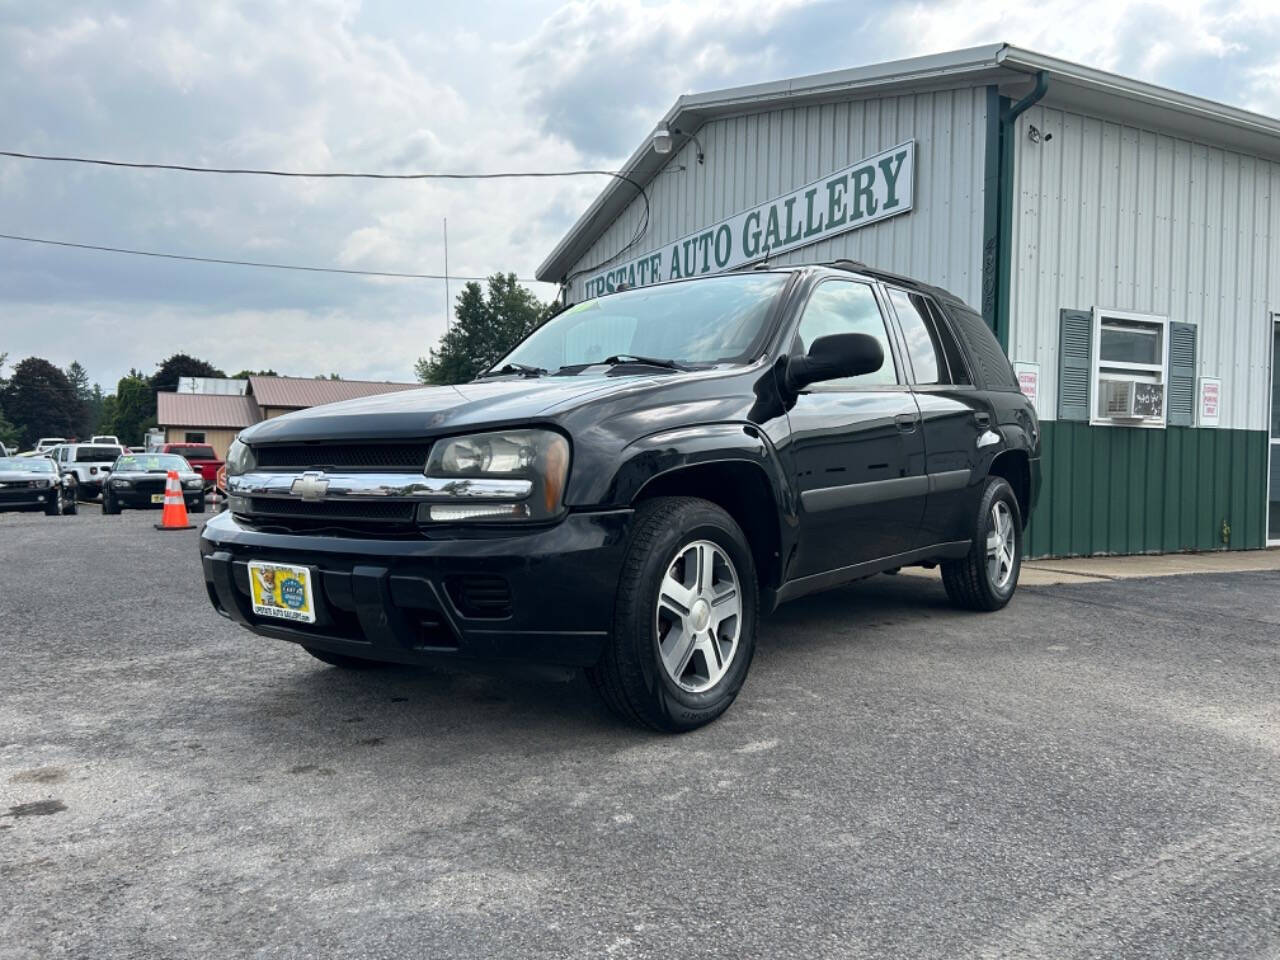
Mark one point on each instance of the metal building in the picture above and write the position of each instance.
(1117, 236)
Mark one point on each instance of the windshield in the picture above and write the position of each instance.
(151, 463)
(713, 320)
(27, 464)
(96, 454)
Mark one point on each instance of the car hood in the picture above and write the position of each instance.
(435, 410)
(10, 475)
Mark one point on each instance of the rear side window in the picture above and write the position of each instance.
(922, 342)
(97, 454)
(935, 355)
(950, 345)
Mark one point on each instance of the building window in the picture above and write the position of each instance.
(194, 437)
(1129, 369)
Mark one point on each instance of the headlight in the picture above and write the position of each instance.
(40, 484)
(240, 459)
(193, 483)
(505, 475)
(121, 484)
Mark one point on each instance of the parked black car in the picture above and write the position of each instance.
(637, 482)
(34, 483)
(138, 480)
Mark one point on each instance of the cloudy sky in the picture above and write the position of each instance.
(406, 85)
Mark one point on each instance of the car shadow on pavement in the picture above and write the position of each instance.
(547, 708)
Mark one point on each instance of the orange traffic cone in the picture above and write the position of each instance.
(175, 508)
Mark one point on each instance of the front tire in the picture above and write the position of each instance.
(55, 506)
(110, 505)
(197, 506)
(342, 660)
(684, 628)
(986, 578)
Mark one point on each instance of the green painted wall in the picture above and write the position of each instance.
(1132, 490)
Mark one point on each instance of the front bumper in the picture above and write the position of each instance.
(141, 500)
(14, 498)
(545, 595)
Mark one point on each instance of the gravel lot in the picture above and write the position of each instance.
(1090, 773)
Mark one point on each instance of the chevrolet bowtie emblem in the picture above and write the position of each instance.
(312, 485)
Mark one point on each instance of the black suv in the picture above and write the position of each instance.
(635, 483)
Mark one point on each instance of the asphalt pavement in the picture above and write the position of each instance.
(1090, 773)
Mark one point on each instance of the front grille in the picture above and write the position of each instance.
(362, 511)
(480, 596)
(149, 486)
(393, 456)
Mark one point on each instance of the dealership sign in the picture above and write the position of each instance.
(869, 190)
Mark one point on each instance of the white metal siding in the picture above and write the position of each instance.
(751, 159)
(1115, 216)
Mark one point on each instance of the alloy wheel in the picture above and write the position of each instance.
(1001, 545)
(699, 616)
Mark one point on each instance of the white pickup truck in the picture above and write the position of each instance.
(89, 463)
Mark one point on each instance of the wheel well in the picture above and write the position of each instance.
(1015, 466)
(743, 491)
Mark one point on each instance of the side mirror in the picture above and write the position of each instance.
(833, 357)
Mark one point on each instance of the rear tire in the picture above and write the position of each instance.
(987, 577)
(343, 661)
(671, 665)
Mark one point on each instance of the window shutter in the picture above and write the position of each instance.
(1182, 374)
(1075, 331)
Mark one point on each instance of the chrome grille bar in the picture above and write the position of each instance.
(316, 486)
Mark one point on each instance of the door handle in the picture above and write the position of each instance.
(906, 422)
(984, 419)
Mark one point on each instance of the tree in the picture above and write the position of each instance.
(41, 401)
(9, 435)
(79, 380)
(131, 410)
(246, 374)
(179, 365)
(487, 328)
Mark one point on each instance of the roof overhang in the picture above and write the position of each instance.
(1013, 70)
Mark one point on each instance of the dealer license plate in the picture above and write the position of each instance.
(281, 591)
(157, 498)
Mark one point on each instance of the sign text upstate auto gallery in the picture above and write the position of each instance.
(869, 190)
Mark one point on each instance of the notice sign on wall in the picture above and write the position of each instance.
(1210, 401)
(1029, 382)
(869, 190)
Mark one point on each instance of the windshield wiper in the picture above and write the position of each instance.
(620, 358)
(523, 369)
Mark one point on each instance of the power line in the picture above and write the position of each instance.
(339, 175)
(244, 263)
(641, 228)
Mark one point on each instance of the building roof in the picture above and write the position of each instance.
(206, 410)
(1011, 69)
(299, 392)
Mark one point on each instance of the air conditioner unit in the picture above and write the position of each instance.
(1126, 399)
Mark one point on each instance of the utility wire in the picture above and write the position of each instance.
(641, 228)
(244, 263)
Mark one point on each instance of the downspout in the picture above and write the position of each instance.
(997, 259)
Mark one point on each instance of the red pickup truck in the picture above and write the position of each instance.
(201, 457)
